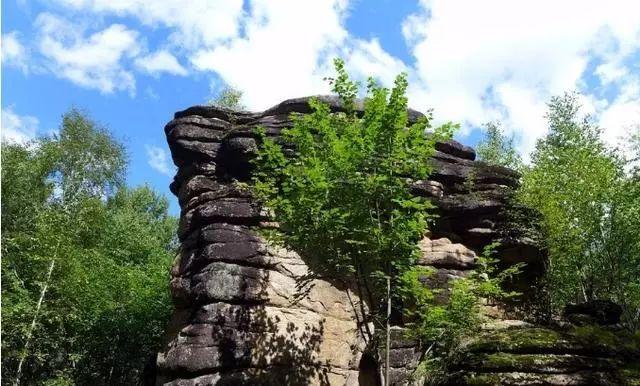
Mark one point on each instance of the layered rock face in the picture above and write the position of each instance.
(250, 313)
(518, 353)
(246, 312)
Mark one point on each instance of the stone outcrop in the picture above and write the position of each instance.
(246, 312)
(523, 354)
(602, 312)
(250, 313)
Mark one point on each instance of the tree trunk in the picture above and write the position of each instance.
(34, 321)
(386, 377)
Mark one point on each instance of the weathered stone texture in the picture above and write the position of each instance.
(246, 312)
(249, 313)
(521, 354)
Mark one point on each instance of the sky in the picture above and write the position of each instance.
(131, 64)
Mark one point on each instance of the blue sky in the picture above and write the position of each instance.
(132, 63)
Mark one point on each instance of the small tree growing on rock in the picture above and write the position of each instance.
(229, 98)
(339, 187)
(344, 200)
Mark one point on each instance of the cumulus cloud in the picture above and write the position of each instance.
(194, 23)
(287, 48)
(158, 159)
(282, 53)
(94, 61)
(18, 128)
(159, 62)
(472, 61)
(498, 59)
(368, 58)
(13, 51)
(622, 115)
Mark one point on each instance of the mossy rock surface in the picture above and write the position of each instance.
(537, 363)
(587, 355)
(586, 340)
(630, 373)
(582, 378)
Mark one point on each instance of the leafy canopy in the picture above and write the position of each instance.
(590, 213)
(339, 185)
(495, 148)
(229, 98)
(344, 200)
(65, 206)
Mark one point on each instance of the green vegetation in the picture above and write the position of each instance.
(538, 339)
(343, 199)
(343, 202)
(229, 98)
(84, 261)
(496, 149)
(590, 213)
(445, 325)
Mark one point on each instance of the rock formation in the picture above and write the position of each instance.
(249, 313)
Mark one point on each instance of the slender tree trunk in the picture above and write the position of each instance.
(34, 321)
(386, 377)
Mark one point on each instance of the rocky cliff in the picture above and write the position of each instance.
(249, 313)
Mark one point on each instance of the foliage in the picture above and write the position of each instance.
(620, 248)
(442, 317)
(65, 207)
(495, 148)
(633, 159)
(343, 200)
(589, 211)
(229, 98)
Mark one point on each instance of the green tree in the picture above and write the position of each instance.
(344, 199)
(620, 245)
(84, 261)
(339, 186)
(633, 160)
(229, 98)
(589, 210)
(495, 148)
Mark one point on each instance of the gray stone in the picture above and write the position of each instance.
(252, 313)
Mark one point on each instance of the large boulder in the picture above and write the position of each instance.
(603, 312)
(247, 312)
(533, 355)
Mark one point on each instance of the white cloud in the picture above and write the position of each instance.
(13, 51)
(18, 128)
(495, 60)
(477, 61)
(283, 53)
(368, 58)
(622, 115)
(158, 159)
(195, 23)
(95, 61)
(473, 61)
(160, 61)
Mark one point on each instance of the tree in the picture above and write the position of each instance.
(588, 206)
(620, 245)
(229, 98)
(338, 184)
(495, 148)
(344, 198)
(84, 261)
(633, 160)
